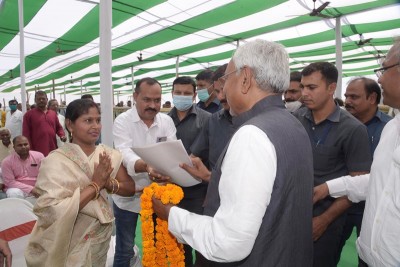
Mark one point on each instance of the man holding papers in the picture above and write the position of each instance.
(258, 209)
(141, 125)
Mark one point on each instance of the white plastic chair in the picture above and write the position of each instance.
(16, 224)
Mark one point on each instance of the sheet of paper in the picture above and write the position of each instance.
(165, 157)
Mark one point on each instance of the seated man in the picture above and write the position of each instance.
(20, 169)
(5, 149)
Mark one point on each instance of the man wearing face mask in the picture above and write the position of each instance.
(205, 91)
(14, 119)
(218, 131)
(293, 94)
(189, 119)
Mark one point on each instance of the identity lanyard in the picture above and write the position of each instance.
(321, 139)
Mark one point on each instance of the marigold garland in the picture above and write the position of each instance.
(161, 249)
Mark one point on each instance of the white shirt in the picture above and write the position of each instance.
(130, 131)
(61, 119)
(245, 188)
(14, 123)
(379, 241)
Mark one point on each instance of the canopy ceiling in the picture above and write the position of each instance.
(62, 38)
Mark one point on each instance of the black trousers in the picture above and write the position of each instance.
(326, 248)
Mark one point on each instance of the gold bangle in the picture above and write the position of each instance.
(117, 186)
(113, 186)
(96, 188)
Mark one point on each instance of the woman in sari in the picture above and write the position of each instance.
(74, 216)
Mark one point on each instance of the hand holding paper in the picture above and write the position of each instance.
(197, 169)
(165, 158)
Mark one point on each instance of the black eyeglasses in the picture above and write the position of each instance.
(379, 72)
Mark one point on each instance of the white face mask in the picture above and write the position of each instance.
(293, 106)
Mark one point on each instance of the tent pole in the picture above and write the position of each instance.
(339, 57)
(65, 96)
(177, 67)
(106, 90)
(54, 90)
(22, 53)
(81, 89)
(132, 80)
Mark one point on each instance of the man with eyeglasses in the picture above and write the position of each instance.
(205, 92)
(141, 125)
(362, 97)
(378, 244)
(258, 206)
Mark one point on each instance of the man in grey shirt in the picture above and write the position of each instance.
(340, 147)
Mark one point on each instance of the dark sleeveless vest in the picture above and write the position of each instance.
(285, 235)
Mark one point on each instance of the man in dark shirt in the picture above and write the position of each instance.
(340, 147)
(218, 131)
(189, 120)
(205, 92)
(362, 98)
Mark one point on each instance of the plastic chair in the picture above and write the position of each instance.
(16, 224)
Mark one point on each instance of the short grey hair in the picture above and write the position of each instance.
(268, 60)
(397, 47)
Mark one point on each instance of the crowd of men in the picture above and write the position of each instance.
(260, 142)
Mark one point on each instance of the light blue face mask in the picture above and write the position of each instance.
(203, 94)
(182, 102)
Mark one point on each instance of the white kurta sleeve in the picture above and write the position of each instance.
(354, 187)
(245, 188)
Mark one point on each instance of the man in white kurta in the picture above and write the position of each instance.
(378, 244)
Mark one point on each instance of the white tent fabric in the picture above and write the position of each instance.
(202, 33)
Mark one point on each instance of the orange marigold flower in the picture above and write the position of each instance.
(166, 251)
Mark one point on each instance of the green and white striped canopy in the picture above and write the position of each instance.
(158, 38)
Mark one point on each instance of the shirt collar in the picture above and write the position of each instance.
(192, 110)
(16, 154)
(226, 114)
(333, 117)
(271, 101)
(378, 114)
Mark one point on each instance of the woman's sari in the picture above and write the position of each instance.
(63, 235)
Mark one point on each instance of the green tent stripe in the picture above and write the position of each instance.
(9, 25)
(86, 30)
(123, 10)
